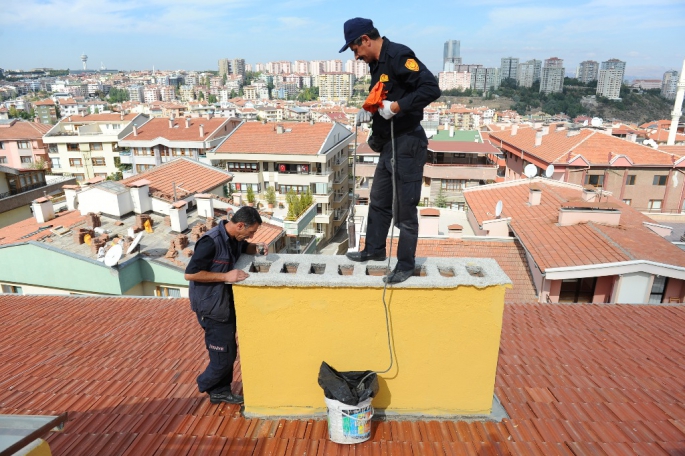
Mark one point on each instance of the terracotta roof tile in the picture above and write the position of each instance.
(22, 130)
(215, 127)
(193, 177)
(30, 229)
(255, 137)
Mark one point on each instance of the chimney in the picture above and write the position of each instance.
(209, 115)
(538, 138)
(279, 129)
(140, 196)
(534, 196)
(178, 216)
(632, 137)
(122, 115)
(561, 127)
(43, 210)
(514, 129)
(205, 205)
(454, 231)
(610, 131)
(135, 130)
(451, 131)
(545, 129)
(589, 194)
(429, 222)
(202, 131)
(237, 199)
(70, 192)
(69, 118)
(171, 122)
(187, 122)
(497, 227)
(573, 132)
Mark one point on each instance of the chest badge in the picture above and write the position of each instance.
(412, 65)
(384, 78)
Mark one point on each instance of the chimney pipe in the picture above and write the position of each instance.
(279, 129)
(545, 129)
(632, 137)
(538, 138)
(451, 131)
(187, 122)
(202, 131)
(171, 122)
(589, 194)
(135, 130)
(43, 210)
(534, 196)
(122, 115)
(514, 129)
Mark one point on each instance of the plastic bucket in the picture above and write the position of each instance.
(349, 423)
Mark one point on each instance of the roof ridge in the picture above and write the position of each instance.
(610, 241)
(592, 133)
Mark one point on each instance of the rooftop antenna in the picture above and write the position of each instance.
(530, 171)
(113, 255)
(549, 172)
(84, 60)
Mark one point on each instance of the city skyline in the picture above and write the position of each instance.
(174, 34)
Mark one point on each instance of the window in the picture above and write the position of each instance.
(166, 292)
(630, 180)
(23, 145)
(3, 160)
(12, 289)
(143, 168)
(26, 159)
(75, 162)
(658, 289)
(595, 180)
(55, 163)
(52, 149)
(98, 161)
(654, 205)
(101, 175)
(2, 145)
(659, 180)
(577, 290)
(452, 184)
(96, 146)
(79, 177)
(627, 202)
(72, 147)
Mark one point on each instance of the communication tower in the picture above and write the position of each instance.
(84, 60)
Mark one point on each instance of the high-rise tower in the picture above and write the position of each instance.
(450, 55)
(84, 60)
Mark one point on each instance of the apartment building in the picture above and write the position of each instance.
(610, 79)
(587, 71)
(509, 68)
(167, 93)
(359, 68)
(528, 72)
(296, 156)
(552, 76)
(450, 80)
(485, 79)
(21, 143)
(161, 140)
(646, 84)
(46, 112)
(224, 67)
(135, 93)
(333, 66)
(301, 67)
(640, 176)
(669, 84)
(582, 245)
(151, 94)
(335, 86)
(87, 146)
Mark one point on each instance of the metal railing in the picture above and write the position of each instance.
(28, 188)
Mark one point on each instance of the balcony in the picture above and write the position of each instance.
(28, 188)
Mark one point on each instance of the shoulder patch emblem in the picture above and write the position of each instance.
(412, 65)
(384, 78)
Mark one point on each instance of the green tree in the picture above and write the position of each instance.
(201, 95)
(41, 163)
(212, 98)
(250, 195)
(233, 94)
(441, 199)
(270, 195)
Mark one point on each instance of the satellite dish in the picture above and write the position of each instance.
(498, 209)
(645, 142)
(130, 232)
(585, 123)
(549, 171)
(113, 255)
(596, 122)
(530, 171)
(135, 243)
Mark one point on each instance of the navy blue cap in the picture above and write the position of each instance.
(354, 28)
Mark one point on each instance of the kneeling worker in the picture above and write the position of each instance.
(211, 273)
(407, 88)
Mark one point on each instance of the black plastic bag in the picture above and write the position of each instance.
(345, 386)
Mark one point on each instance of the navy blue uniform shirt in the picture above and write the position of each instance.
(408, 82)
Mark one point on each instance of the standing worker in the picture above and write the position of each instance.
(408, 87)
(211, 273)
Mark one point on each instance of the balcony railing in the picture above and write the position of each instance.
(28, 188)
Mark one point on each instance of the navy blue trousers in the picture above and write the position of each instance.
(222, 349)
(410, 157)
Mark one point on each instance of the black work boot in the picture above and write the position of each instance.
(398, 276)
(365, 256)
(216, 398)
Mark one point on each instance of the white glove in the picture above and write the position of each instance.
(363, 116)
(385, 110)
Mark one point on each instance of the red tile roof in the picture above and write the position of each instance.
(30, 229)
(47, 102)
(578, 245)
(258, 138)
(105, 117)
(192, 176)
(574, 379)
(596, 147)
(267, 233)
(22, 130)
(461, 146)
(215, 127)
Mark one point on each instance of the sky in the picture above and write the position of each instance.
(195, 34)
